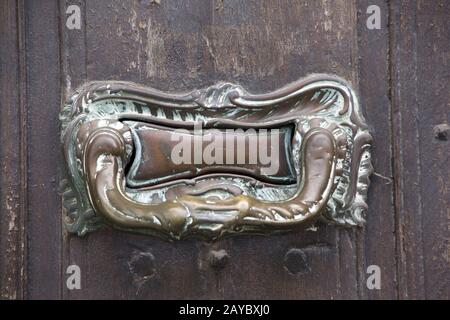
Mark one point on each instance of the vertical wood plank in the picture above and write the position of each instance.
(12, 152)
(378, 242)
(74, 74)
(43, 104)
(433, 61)
(406, 154)
(420, 101)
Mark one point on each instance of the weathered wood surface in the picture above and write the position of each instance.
(402, 75)
(421, 100)
(13, 157)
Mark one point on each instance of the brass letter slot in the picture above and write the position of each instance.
(216, 161)
(169, 154)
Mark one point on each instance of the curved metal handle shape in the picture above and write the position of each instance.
(119, 146)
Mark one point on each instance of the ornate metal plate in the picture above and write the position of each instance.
(188, 165)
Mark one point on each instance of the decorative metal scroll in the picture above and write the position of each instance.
(120, 138)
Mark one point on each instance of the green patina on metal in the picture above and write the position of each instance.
(330, 151)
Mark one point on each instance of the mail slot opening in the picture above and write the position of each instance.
(165, 154)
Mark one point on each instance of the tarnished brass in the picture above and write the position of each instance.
(119, 138)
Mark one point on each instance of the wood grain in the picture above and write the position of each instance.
(401, 73)
(12, 152)
(420, 98)
(179, 45)
(43, 102)
(378, 243)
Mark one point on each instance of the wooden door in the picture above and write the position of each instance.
(401, 72)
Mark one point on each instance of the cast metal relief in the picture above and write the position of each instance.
(119, 140)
